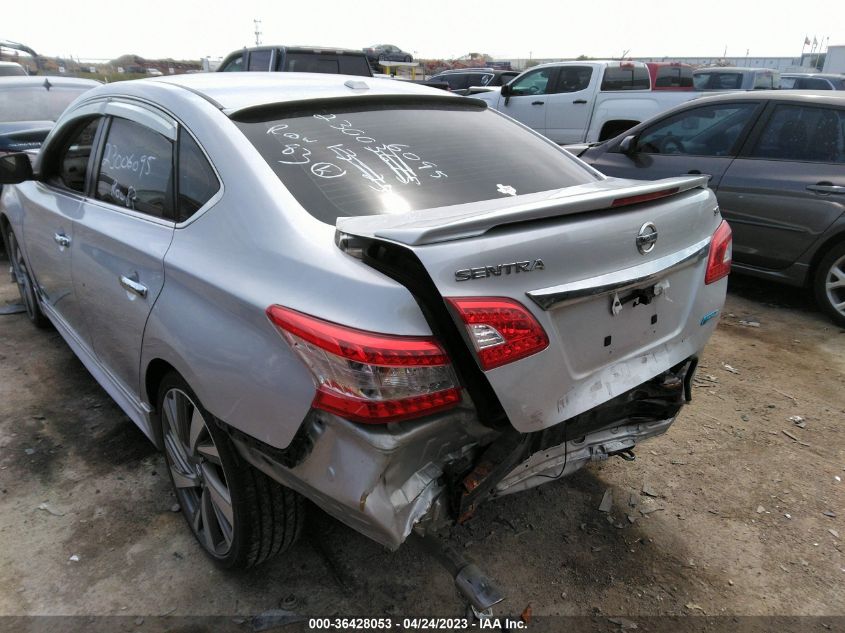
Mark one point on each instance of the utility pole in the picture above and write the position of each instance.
(257, 23)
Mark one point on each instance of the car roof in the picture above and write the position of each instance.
(827, 97)
(733, 69)
(820, 75)
(236, 91)
(299, 48)
(38, 80)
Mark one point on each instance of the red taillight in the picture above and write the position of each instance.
(644, 197)
(721, 254)
(368, 377)
(501, 330)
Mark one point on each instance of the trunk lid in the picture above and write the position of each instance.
(569, 257)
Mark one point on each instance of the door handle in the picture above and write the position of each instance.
(580, 101)
(537, 102)
(133, 286)
(826, 187)
(62, 240)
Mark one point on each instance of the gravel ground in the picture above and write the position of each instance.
(736, 511)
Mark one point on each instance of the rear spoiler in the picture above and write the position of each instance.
(429, 226)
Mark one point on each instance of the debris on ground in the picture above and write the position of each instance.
(829, 513)
(648, 491)
(694, 607)
(798, 421)
(833, 532)
(760, 509)
(606, 501)
(729, 368)
(525, 616)
(623, 623)
(275, 618)
(749, 323)
(47, 508)
(175, 507)
(795, 439)
(74, 558)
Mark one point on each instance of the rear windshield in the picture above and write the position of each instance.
(673, 77)
(36, 102)
(331, 63)
(629, 77)
(717, 81)
(350, 162)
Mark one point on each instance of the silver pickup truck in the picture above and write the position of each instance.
(389, 300)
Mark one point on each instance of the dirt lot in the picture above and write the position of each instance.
(745, 513)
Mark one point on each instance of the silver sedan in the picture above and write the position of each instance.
(376, 295)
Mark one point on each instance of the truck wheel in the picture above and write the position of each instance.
(829, 284)
(238, 515)
(26, 287)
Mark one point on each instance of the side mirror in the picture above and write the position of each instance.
(628, 145)
(15, 168)
(506, 90)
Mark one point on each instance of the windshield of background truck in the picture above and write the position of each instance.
(371, 160)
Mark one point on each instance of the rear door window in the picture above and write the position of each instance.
(136, 170)
(625, 77)
(573, 78)
(717, 81)
(260, 60)
(803, 133)
(352, 161)
(197, 181)
(706, 131)
(673, 77)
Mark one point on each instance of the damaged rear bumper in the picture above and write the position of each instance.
(383, 480)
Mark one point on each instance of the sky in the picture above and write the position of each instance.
(426, 28)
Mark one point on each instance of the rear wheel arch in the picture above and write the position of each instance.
(829, 300)
(157, 369)
(821, 253)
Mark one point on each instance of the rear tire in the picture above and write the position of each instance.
(829, 284)
(239, 516)
(26, 287)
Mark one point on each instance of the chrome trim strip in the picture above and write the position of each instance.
(548, 298)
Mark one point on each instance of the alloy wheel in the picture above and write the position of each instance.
(835, 285)
(197, 472)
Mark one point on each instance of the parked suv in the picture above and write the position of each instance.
(302, 59)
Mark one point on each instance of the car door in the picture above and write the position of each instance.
(788, 185)
(123, 233)
(53, 205)
(702, 139)
(569, 105)
(526, 101)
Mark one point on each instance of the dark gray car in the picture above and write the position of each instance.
(776, 161)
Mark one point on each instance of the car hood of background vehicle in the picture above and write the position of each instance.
(22, 135)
